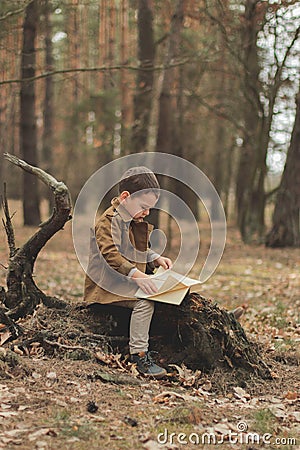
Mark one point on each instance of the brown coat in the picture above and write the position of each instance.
(107, 280)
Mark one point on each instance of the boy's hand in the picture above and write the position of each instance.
(166, 263)
(144, 282)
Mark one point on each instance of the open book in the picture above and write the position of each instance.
(172, 287)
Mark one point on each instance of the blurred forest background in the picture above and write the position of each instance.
(84, 82)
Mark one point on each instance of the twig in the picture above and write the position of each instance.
(8, 225)
(67, 347)
(51, 73)
(15, 12)
(272, 192)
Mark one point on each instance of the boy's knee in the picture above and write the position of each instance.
(143, 304)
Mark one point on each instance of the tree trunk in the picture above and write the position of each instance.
(48, 102)
(72, 116)
(247, 177)
(125, 90)
(285, 231)
(165, 122)
(102, 41)
(28, 134)
(258, 118)
(144, 84)
(166, 119)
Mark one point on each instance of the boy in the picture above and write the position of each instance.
(122, 236)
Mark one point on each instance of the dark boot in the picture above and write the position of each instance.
(237, 312)
(146, 366)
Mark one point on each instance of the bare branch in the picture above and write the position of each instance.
(277, 78)
(102, 69)
(219, 113)
(8, 224)
(41, 174)
(280, 68)
(15, 12)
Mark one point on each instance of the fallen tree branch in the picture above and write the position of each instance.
(66, 347)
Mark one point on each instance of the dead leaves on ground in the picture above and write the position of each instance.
(116, 361)
(186, 376)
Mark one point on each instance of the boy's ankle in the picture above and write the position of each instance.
(146, 366)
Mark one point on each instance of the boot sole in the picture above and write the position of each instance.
(156, 376)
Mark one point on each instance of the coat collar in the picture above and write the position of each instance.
(119, 209)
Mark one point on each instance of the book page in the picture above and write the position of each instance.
(171, 297)
(171, 286)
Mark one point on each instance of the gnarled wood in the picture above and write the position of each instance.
(22, 294)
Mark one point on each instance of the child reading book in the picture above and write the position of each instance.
(121, 262)
(122, 236)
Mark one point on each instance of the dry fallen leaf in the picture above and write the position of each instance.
(295, 415)
(41, 432)
(278, 411)
(51, 375)
(5, 406)
(103, 357)
(290, 395)
(222, 428)
(241, 393)
(4, 336)
(8, 413)
(18, 350)
(166, 396)
(111, 360)
(6, 440)
(152, 445)
(186, 376)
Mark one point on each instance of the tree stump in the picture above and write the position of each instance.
(198, 333)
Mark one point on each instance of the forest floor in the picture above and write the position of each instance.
(69, 398)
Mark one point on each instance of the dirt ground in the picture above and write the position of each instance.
(76, 395)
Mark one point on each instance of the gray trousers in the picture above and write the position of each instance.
(141, 316)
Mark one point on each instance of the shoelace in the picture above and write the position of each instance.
(148, 358)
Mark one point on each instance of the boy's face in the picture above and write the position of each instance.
(138, 205)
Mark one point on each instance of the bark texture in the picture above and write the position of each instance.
(48, 100)
(22, 294)
(28, 132)
(143, 97)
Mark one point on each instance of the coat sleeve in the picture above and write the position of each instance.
(151, 255)
(108, 240)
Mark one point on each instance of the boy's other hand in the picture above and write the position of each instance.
(166, 263)
(144, 282)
